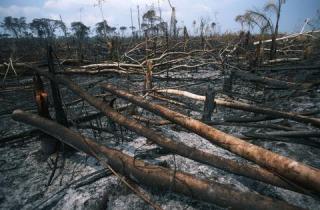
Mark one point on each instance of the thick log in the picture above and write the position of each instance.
(253, 125)
(295, 134)
(151, 121)
(290, 36)
(247, 107)
(279, 138)
(298, 173)
(176, 147)
(280, 60)
(152, 175)
(95, 72)
(112, 66)
(23, 136)
(239, 74)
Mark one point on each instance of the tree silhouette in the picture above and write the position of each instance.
(16, 26)
(46, 28)
(149, 21)
(276, 9)
(264, 22)
(80, 30)
(103, 29)
(123, 29)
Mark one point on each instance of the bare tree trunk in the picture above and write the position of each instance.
(273, 50)
(176, 147)
(227, 83)
(147, 85)
(246, 76)
(298, 173)
(250, 108)
(273, 47)
(152, 175)
(209, 104)
(61, 117)
(48, 144)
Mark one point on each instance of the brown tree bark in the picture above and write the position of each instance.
(297, 173)
(176, 147)
(49, 145)
(147, 84)
(247, 107)
(152, 175)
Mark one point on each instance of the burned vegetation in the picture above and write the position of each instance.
(160, 119)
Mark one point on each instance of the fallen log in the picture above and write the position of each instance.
(239, 74)
(19, 137)
(280, 60)
(290, 68)
(176, 147)
(175, 102)
(253, 125)
(95, 72)
(295, 134)
(290, 36)
(49, 203)
(297, 173)
(152, 175)
(74, 62)
(268, 137)
(112, 66)
(247, 107)
(151, 121)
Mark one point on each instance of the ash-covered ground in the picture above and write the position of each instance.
(80, 182)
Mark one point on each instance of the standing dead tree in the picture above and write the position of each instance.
(57, 102)
(173, 21)
(147, 86)
(48, 144)
(209, 104)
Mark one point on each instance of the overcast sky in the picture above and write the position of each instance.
(117, 12)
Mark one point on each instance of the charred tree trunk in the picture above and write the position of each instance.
(293, 171)
(155, 176)
(227, 83)
(249, 108)
(48, 144)
(209, 104)
(175, 147)
(147, 85)
(61, 117)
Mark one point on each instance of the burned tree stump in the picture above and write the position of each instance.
(147, 85)
(227, 83)
(48, 143)
(209, 104)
